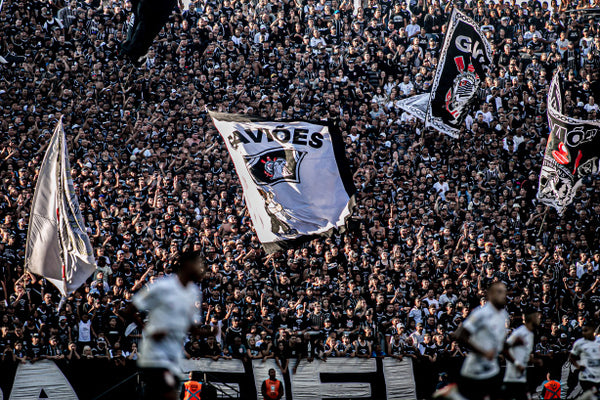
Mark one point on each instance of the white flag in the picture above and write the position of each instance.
(294, 173)
(58, 247)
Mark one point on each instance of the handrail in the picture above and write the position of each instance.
(213, 378)
(115, 386)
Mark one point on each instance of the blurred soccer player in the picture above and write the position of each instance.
(170, 303)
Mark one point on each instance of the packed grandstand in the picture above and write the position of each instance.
(437, 219)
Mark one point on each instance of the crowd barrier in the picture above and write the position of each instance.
(336, 378)
(384, 379)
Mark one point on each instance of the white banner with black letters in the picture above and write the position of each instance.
(295, 177)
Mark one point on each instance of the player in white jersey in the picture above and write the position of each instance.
(171, 306)
(585, 356)
(484, 330)
(519, 346)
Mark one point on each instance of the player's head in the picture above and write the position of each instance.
(588, 329)
(192, 263)
(496, 294)
(532, 317)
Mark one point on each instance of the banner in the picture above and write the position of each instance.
(376, 379)
(58, 247)
(416, 105)
(571, 153)
(296, 180)
(464, 59)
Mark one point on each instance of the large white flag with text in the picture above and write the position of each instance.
(296, 180)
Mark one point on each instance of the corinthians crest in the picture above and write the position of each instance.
(463, 89)
(275, 165)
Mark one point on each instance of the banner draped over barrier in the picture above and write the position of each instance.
(377, 379)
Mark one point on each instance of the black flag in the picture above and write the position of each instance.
(149, 18)
(572, 152)
(464, 59)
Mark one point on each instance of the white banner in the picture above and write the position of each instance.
(336, 378)
(58, 247)
(399, 379)
(294, 174)
(41, 380)
(307, 384)
(416, 105)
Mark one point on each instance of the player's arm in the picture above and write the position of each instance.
(574, 359)
(513, 341)
(464, 336)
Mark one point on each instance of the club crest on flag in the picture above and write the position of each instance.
(463, 89)
(277, 165)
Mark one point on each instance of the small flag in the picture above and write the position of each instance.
(416, 105)
(150, 16)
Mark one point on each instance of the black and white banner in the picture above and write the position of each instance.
(296, 180)
(416, 105)
(341, 378)
(463, 62)
(572, 152)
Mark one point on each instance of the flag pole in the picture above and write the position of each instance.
(543, 220)
(60, 190)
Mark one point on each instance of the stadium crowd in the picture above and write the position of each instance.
(437, 219)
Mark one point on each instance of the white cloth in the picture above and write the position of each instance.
(588, 352)
(520, 353)
(57, 233)
(487, 326)
(171, 309)
(85, 331)
(291, 175)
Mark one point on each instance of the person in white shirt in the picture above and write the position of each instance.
(413, 28)
(517, 358)
(406, 86)
(441, 186)
(484, 330)
(585, 356)
(171, 306)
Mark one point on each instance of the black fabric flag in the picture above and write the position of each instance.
(149, 18)
(464, 59)
(572, 153)
(295, 176)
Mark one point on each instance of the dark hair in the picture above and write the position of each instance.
(188, 256)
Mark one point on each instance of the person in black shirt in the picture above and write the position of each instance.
(52, 350)
(34, 349)
(193, 349)
(233, 331)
